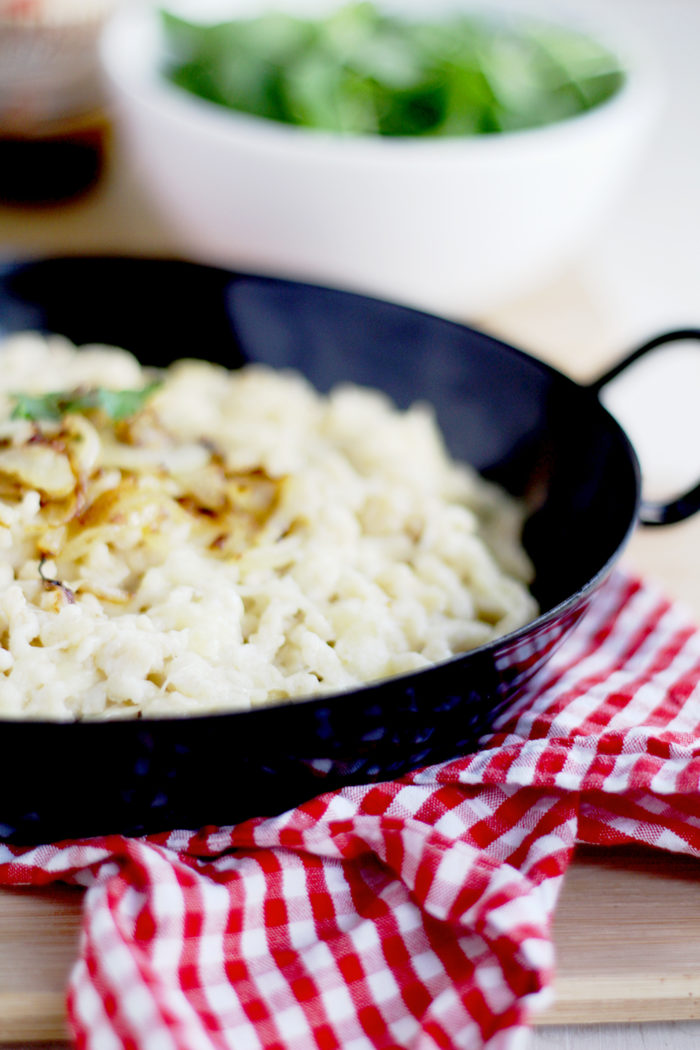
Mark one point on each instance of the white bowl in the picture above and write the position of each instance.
(454, 226)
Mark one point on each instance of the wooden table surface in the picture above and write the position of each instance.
(627, 929)
(626, 932)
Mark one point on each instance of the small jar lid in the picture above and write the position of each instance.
(54, 12)
(49, 69)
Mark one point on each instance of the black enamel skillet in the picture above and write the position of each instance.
(523, 424)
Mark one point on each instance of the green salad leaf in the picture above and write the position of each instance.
(363, 70)
(116, 404)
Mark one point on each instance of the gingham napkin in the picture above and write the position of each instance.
(411, 915)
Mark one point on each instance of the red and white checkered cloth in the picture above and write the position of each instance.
(410, 915)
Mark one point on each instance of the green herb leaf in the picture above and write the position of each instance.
(29, 406)
(116, 404)
(121, 404)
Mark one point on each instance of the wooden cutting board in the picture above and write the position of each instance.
(626, 931)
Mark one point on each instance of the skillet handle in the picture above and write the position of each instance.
(658, 512)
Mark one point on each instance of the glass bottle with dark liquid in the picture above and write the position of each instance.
(53, 125)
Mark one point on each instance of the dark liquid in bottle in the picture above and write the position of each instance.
(50, 167)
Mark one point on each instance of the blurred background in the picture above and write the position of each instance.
(637, 273)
